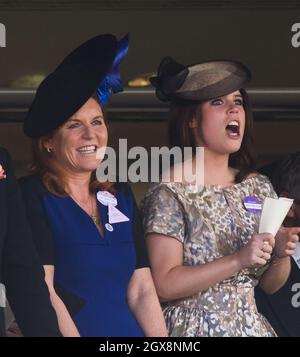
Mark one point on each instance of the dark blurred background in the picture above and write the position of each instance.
(40, 33)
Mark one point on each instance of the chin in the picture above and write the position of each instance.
(87, 168)
(233, 151)
(234, 148)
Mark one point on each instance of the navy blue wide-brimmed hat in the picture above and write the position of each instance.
(90, 68)
(198, 82)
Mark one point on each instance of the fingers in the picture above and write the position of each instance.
(257, 251)
(289, 253)
(266, 256)
(294, 230)
(261, 261)
(266, 237)
(291, 246)
(267, 248)
(260, 257)
(293, 236)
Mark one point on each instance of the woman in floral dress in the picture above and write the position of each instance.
(205, 251)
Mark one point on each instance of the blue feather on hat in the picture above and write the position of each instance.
(113, 82)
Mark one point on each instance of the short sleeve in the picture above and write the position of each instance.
(142, 260)
(265, 187)
(163, 213)
(33, 192)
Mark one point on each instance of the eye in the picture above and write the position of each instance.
(73, 126)
(97, 122)
(238, 101)
(217, 101)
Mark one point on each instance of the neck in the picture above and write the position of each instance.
(217, 170)
(78, 184)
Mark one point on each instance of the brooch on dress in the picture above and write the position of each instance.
(114, 215)
(2, 173)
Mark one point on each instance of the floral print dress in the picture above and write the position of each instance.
(211, 222)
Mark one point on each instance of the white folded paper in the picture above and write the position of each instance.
(273, 214)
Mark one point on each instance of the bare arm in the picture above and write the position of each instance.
(66, 324)
(277, 274)
(143, 302)
(173, 280)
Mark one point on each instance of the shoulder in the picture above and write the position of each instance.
(252, 174)
(156, 189)
(257, 177)
(164, 187)
(32, 185)
(173, 190)
(260, 184)
(160, 196)
(123, 187)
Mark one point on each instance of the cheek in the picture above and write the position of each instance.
(243, 115)
(102, 136)
(211, 127)
(65, 147)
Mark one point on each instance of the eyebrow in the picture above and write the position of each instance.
(78, 120)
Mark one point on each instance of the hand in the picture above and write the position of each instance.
(286, 241)
(257, 251)
(13, 330)
(2, 173)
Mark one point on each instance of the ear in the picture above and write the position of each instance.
(193, 123)
(47, 143)
(291, 212)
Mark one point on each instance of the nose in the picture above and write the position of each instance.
(233, 108)
(88, 132)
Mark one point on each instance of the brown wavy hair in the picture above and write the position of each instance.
(180, 134)
(45, 166)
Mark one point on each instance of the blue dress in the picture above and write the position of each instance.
(91, 272)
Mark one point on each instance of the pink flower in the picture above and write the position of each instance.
(2, 173)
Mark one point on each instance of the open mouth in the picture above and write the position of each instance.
(90, 149)
(233, 128)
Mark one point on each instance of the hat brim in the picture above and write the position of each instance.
(202, 81)
(73, 82)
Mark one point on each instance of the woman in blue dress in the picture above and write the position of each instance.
(88, 233)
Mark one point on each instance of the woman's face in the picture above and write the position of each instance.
(75, 143)
(221, 125)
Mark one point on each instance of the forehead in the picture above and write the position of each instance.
(237, 92)
(90, 107)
